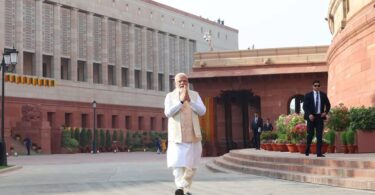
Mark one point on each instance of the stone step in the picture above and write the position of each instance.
(354, 183)
(303, 168)
(301, 159)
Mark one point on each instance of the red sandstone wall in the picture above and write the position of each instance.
(351, 60)
(275, 92)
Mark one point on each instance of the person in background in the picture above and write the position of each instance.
(27, 143)
(267, 126)
(256, 126)
(183, 106)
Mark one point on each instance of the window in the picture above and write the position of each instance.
(128, 124)
(68, 119)
(124, 77)
(51, 118)
(97, 73)
(111, 75)
(160, 82)
(140, 123)
(65, 69)
(152, 123)
(137, 79)
(114, 121)
(81, 71)
(84, 120)
(100, 120)
(149, 80)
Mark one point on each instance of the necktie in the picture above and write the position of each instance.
(317, 103)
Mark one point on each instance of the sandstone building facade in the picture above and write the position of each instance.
(120, 53)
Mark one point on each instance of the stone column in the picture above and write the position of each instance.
(118, 52)
(187, 56)
(19, 36)
(2, 26)
(131, 54)
(38, 39)
(167, 62)
(105, 50)
(56, 42)
(74, 44)
(144, 58)
(156, 61)
(90, 48)
(177, 56)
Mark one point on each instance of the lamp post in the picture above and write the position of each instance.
(8, 63)
(207, 37)
(94, 126)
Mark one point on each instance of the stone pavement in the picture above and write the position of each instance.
(137, 174)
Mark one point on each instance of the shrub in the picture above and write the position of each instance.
(102, 138)
(83, 139)
(362, 118)
(114, 135)
(330, 137)
(344, 138)
(108, 143)
(67, 141)
(350, 137)
(339, 118)
(76, 134)
(121, 138)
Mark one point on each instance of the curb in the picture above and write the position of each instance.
(10, 168)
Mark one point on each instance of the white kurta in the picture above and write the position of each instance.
(184, 154)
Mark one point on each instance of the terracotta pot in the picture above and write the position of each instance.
(268, 146)
(301, 148)
(313, 148)
(292, 148)
(345, 148)
(274, 147)
(331, 149)
(352, 148)
(282, 147)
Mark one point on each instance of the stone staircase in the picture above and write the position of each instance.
(341, 170)
(19, 148)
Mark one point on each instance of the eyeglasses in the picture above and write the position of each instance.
(316, 85)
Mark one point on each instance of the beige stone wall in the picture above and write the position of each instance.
(104, 32)
(341, 11)
(351, 59)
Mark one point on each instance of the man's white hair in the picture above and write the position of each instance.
(180, 75)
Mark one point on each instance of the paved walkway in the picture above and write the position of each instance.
(137, 174)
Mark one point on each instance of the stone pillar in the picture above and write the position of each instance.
(187, 56)
(144, 58)
(177, 56)
(2, 26)
(38, 39)
(90, 48)
(56, 42)
(74, 44)
(156, 61)
(118, 52)
(19, 36)
(131, 54)
(167, 62)
(105, 50)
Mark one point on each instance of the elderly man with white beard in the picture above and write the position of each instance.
(183, 107)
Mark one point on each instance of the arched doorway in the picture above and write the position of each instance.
(295, 104)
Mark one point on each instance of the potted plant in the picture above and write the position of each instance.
(301, 146)
(339, 119)
(344, 142)
(350, 139)
(362, 121)
(330, 136)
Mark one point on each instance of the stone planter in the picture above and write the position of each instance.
(365, 141)
(282, 147)
(331, 149)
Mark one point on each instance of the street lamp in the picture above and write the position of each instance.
(94, 137)
(7, 64)
(207, 37)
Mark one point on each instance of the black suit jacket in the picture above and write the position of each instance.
(309, 104)
(255, 126)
